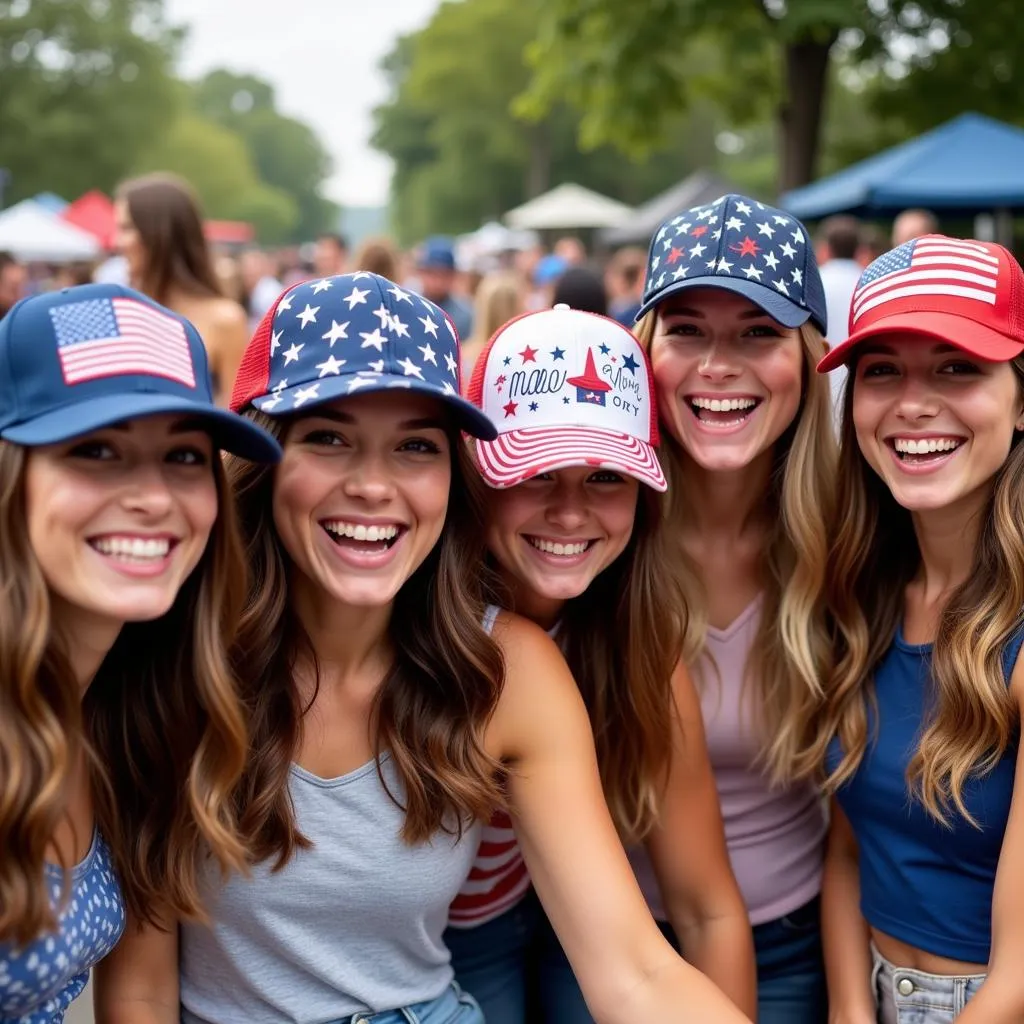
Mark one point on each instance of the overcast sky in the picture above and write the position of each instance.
(321, 56)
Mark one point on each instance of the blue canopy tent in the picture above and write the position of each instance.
(972, 164)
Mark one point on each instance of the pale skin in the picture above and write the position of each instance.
(580, 505)
(919, 388)
(390, 460)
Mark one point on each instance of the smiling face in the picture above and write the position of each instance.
(553, 534)
(361, 495)
(118, 519)
(729, 378)
(934, 422)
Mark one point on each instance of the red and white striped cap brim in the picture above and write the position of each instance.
(521, 454)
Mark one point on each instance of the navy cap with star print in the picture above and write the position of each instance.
(743, 246)
(333, 337)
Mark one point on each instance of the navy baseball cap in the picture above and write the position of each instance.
(337, 336)
(88, 357)
(742, 246)
(438, 252)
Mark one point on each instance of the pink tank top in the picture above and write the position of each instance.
(775, 836)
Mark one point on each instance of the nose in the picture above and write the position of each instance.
(917, 398)
(719, 362)
(149, 492)
(567, 509)
(368, 479)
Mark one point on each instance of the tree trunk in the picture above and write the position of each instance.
(800, 115)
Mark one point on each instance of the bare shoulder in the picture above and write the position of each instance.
(226, 314)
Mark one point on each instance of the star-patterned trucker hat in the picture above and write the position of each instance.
(338, 336)
(742, 246)
(566, 388)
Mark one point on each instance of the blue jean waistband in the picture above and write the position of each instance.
(935, 996)
(442, 1010)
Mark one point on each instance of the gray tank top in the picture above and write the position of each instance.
(352, 925)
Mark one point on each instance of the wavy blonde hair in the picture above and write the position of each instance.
(791, 655)
(874, 557)
(161, 724)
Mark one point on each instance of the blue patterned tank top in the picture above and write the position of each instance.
(39, 982)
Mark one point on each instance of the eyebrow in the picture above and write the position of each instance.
(749, 314)
(335, 416)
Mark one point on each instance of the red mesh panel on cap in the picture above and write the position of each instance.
(1015, 308)
(253, 377)
(475, 391)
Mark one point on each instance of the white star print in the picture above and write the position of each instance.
(753, 272)
(697, 250)
(678, 220)
(410, 368)
(377, 366)
(356, 296)
(428, 325)
(429, 355)
(275, 341)
(376, 339)
(711, 264)
(734, 224)
(766, 229)
(716, 234)
(280, 385)
(661, 234)
(399, 295)
(655, 263)
(337, 332)
(451, 329)
(771, 260)
(780, 220)
(667, 244)
(292, 355)
(304, 395)
(383, 314)
(798, 237)
(683, 228)
(705, 215)
(285, 303)
(661, 281)
(270, 403)
(680, 272)
(787, 249)
(330, 365)
(743, 208)
(361, 275)
(453, 366)
(400, 384)
(781, 285)
(321, 286)
(724, 266)
(308, 315)
(398, 327)
(447, 388)
(359, 382)
(798, 277)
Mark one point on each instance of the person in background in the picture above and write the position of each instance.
(13, 279)
(581, 288)
(624, 282)
(572, 250)
(436, 271)
(873, 242)
(330, 256)
(499, 299)
(259, 279)
(911, 224)
(378, 256)
(545, 279)
(838, 240)
(70, 275)
(160, 234)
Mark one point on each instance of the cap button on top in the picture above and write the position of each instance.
(561, 305)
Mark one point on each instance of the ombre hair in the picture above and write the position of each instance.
(790, 657)
(161, 726)
(431, 711)
(973, 720)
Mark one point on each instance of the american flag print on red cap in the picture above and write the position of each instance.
(930, 265)
(101, 338)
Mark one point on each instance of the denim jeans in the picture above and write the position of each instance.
(914, 997)
(453, 1006)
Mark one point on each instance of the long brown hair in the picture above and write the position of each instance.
(432, 709)
(165, 211)
(791, 654)
(875, 555)
(161, 722)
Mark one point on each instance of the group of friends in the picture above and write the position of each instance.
(610, 687)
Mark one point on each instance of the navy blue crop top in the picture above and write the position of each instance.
(920, 882)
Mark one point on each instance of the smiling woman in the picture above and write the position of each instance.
(121, 734)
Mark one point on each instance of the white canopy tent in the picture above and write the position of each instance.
(568, 207)
(28, 231)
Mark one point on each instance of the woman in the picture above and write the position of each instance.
(499, 298)
(579, 547)
(121, 589)
(387, 722)
(923, 904)
(733, 316)
(160, 234)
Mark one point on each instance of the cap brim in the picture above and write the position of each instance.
(521, 454)
(780, 308)
(229, 432)
(966, 334)
(290, 400)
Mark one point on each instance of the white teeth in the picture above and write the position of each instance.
(357, 531)
(724, 404)
(133, 547)
(925, 446)
(553, 548)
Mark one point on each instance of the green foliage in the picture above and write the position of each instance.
(84, 88)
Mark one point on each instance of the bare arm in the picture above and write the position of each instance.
(624, 965)
(138, 982)
(226, 339)
(691, 860)
(1001, 999)
(846, 936)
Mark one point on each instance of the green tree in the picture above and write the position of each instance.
(630, 67)
(85, 86)
(287, 154)
(217, 163)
